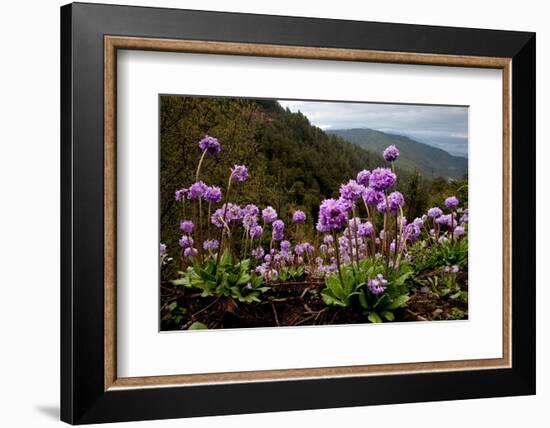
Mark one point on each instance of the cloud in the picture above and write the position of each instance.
(445, 127)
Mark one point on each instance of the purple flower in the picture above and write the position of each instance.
(451, 202)
(249, 221)
(455, 269)
(372, 197)
(186, 241)
(298, 217)
(352, 190)
(365, 229)
(299, 250)
(234, 213)
(269, 214)
(251, 210)
(257, 253)
(256, 231)
(328, 239)
(347, 205)
(217, 218)
(213, 194)
(210, 244)
(464, 218)
(332, 215)
(190, 252)
(187, 226)
(382, 207)
(418, 221)
(382, 178)
(445, 219)
(162, 249)
(196, 190)
(210, 145)
(278, 230)
(459, 231)
(285, 245)
(395, 200)
(377, 285)
(412, 231)
(239, 173)
(391, 153)
(180, 194)
(363, 177)
(435, 212)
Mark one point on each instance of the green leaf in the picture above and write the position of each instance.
(363, 300)
(182, 281)
(333, 283)
(374, 317)
(398, 302)
(198, 326)
(330, 299)
(388, 315)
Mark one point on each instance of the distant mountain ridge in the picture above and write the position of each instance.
(428, 160)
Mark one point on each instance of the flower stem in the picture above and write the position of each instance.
(338, 258)
(199, 166)
(224, 222)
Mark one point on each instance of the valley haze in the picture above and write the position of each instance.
(443, 127)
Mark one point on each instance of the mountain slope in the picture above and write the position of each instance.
(430, 161)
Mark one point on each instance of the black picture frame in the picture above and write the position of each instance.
(83, 398)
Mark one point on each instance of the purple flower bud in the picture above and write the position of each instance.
(445, 220)
(257, 253)
(395, 200)
(328, 239)
(285, 245)
(451, 202)
(412, 231)
(213, 194)
(391, 153)
(332, 215)
(352, 190)
(435, 212)
(278, 229)
(363, 177)
(382, 178)
(372, 197)
(298, 217)
(256, 231)
(210, 145)
(187, 226)
(162, 249)
(190, 252)
(186, 241)
(180, 194)
(249, 221)
(365, 229)
(251, 210)
(196, 190)
(239, 173)
(269, 215)
(210, 244)
(377, 285)
(217, 218)
(459, 231)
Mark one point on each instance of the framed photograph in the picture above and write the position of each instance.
(267, 213)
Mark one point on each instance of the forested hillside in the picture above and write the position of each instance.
(293, 165)
(430, 161)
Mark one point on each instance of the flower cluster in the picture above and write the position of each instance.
(365, 222)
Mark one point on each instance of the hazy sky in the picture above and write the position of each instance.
(439, 126)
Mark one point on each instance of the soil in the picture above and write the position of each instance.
(287, 304)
